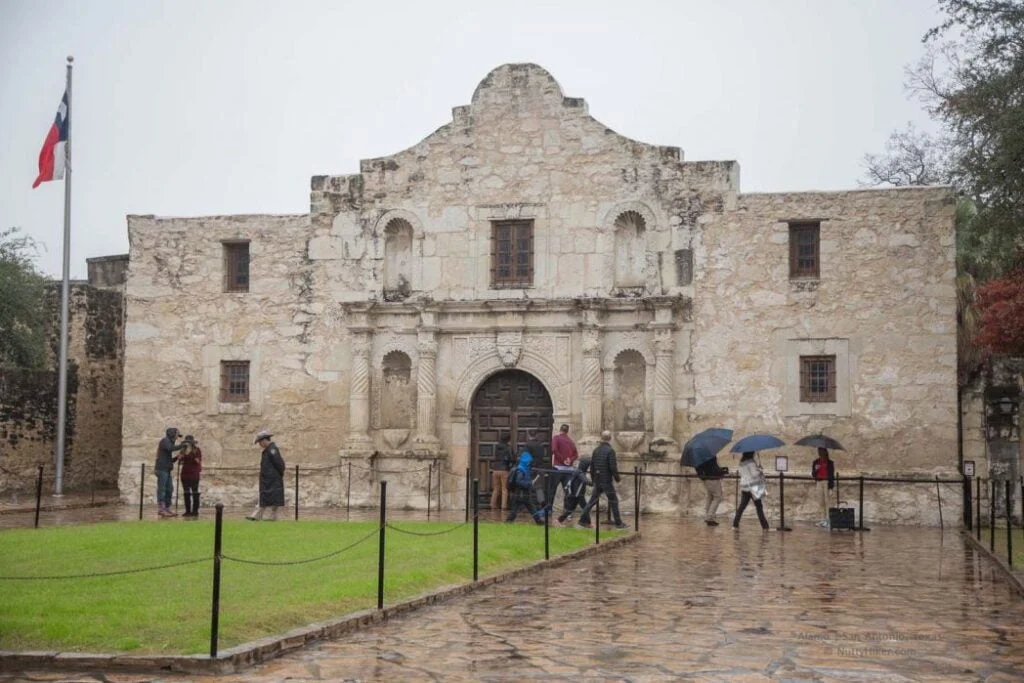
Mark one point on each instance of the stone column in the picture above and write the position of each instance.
(426, 389)
(664, 408)
(359, 392)
(592, 385)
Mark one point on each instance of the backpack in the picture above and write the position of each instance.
(520, 479)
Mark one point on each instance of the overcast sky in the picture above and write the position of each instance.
(200, 107)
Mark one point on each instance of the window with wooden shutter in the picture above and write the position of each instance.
(817, 379)
(236, 266)
(234, 381)
(511, 254)
(804, 250)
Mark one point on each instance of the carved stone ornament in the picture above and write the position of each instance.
(510, 348)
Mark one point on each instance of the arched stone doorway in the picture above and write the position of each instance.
(508, 402)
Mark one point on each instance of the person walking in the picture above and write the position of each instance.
(500, 466)
(563, 459)
(711, 474)
(271, 478)
(576, 491)
(823, 471)
(520, 485)
(164, 470)
(753, 487)
(191, 460)
(605, 472)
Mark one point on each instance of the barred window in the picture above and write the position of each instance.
(817, 379)
(234, 381)
(804, 250)
(236, 266)
(511, 254)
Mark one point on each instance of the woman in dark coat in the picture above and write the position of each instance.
(271, 478)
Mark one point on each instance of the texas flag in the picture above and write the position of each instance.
(51, 156)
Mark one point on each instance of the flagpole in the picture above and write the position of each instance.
(62, 391)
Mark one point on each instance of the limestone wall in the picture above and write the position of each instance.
(28, 398)
(181, 325)
(885, 305)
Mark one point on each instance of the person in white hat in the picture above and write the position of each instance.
(271, 478)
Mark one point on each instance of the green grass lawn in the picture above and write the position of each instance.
(168, 610)
(1018, 545)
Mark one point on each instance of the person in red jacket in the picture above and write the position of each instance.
(824, 472)
(191, 459)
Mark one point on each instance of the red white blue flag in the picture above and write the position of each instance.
(51, 156)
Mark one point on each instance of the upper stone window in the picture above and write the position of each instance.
(236, 266)
(804, 250)
(397, 260)
(630, 251)
(511, 254)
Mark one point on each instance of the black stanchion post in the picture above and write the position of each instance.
(992, 519)
(476, 529)
(92, 485)
(215, 601)
(380, 544)
(597, 514)
(636, 499)
(178, 487)
(467, 494)
(296, 493)
(142, 488)
(860, 515)
(968, 506)
(549, 507)
(938, 494)
(1022, 508)
(430, 481)
(39, 493)
(782, 502)
(977, 506)
(1009, 525)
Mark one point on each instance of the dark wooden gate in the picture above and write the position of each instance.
(509, 402)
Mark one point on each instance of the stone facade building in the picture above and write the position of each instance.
(525, 266)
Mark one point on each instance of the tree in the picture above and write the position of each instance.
(22, 312)
(1001, 305)
(973, 87)
(911, 157)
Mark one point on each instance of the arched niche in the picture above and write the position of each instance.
(630, 249)
(630, 392)
(398, 259)
(398, 392)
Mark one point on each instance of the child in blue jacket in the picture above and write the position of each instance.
(520, 485)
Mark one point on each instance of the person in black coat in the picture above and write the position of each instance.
(604, 470)
(271, 478)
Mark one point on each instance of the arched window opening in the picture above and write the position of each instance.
(397, 260)
(398, 393)
(630, 252)
(630, 394)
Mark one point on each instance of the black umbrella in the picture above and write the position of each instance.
(820, 441)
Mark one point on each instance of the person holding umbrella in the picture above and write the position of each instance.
(823, 470)
(753, 487)
(700, 454)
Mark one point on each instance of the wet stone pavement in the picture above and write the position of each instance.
(689, 602)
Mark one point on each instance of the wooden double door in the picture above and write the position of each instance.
(510, 402)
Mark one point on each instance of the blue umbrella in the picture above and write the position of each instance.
(757, 442)
(704, 446)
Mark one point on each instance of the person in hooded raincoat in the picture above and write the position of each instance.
(520, 485)
(164, 471)
(271, 478)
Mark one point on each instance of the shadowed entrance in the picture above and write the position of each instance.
(509, 402)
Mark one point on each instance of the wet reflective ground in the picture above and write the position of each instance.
(692, 602)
